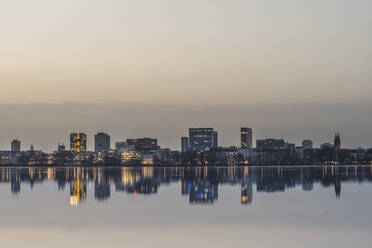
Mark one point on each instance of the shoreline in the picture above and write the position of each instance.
(180, 166)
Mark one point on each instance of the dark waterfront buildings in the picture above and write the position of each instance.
(101, 142)
(200, 149)
(246, 138)
(78, 142)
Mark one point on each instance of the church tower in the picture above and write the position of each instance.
(337, 141)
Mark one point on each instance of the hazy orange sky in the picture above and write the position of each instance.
(195, 51)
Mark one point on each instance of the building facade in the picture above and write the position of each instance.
(15, 146)
(61, 147)
(78, 142)
(184, 144)
(143, 144)
(215, 139)
(102, 142)
(307, 144)
(271, 144)
(202, 138)
(246, 138)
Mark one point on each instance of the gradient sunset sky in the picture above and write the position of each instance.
(293, 69)
(195, 51)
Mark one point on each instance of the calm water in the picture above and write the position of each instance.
(186, 207)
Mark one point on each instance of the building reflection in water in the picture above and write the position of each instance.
(246, 193)
(203, 192)
(200, 185)
(78, 191)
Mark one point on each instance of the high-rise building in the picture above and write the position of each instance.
(78, 142)
(15, 146)
(307, 144)
(246, 138)
(215, 139)
(201, 138)
(101, 142)
(184, 144)
(337, 142)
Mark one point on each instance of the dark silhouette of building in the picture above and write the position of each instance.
(337, 141)
(61, 147)
(271, 144)
(143, 144)
(307, 144)
(184, 144)
(101, 142)
(215, 139)
(15, 146)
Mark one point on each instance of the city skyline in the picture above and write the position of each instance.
(200, 148)
(194, 123)
(195, 141)
(48, 124)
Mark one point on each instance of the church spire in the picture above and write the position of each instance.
(337, 142)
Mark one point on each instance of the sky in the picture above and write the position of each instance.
(196, 53)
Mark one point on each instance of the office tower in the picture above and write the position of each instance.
(61, 147)
(184, 144)
(246, 138)
(101, 142)
(78, 142)
(215, 139)
(15, 146)
(201, 138)
(337, 142)
(307, 144)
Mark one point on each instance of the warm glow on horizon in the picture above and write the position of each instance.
(181, 51)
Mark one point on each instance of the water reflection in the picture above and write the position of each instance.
(200, 185)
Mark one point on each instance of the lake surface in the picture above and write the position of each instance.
(186, 207)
